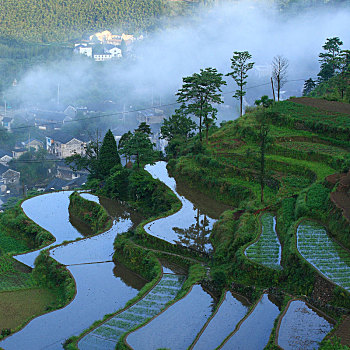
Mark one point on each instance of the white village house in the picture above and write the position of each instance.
(63, 146)
(5, 157)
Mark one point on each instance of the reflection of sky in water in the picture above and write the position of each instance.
(189, 226)
(177, 326)
(254, 332)
(99, 292)
(230, 312)
(49, 211)
(101, 288)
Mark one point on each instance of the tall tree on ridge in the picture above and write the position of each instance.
(279, 73)
(109, 156)
(309, 85)
(198, 94)
(239, 73)
(330, 59)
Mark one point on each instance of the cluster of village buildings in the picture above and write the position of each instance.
(105, 46)
(60, 145)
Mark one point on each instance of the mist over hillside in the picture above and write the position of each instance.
(208, 40)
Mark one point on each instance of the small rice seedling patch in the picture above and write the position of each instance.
(130, 317)
(108, 332)
(146, 303)
(119, 324)
(323, 253)
(267, 250)
(138, 313)
(143, 311)
(156, 297)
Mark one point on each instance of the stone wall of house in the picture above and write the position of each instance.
(71, 147)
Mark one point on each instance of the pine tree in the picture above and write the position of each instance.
(198, 94)
(109, 156)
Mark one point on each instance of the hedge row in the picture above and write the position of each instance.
(55, 276)
(89, 212)
(16, 224)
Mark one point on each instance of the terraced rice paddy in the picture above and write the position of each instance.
(254, 332)
(107, 335)
(323, 253)
(302, 328)
(230, 312)
(267, 249)
(177, 326)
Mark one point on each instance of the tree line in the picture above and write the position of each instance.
(334, 74)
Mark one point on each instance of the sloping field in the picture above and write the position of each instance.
(323, 253)
(17, 306)
(343, 331)
(330, 106)
(267, 249)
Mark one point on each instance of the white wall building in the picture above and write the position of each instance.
(115, 52)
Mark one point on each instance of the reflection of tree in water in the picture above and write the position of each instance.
(118, 211)
(197, 235)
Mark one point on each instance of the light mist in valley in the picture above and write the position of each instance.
(206, 40)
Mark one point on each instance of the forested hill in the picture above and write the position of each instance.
(60, 20)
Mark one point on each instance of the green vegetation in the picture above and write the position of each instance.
(198, 94)
(334, 76)
(139, 145)
(12, 276)
(15, 227)
(17, 307)
(61, 20)
(240, 67)
(90, 213)
(304, 145)
(108, 156)
(52, 275)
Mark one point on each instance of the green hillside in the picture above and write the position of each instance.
(61, 20)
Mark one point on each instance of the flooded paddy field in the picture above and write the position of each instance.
(102, 287)
(230, 312)
(255, 330)
(192, 224)
(107, 335)
(177, 327)
(302, 327)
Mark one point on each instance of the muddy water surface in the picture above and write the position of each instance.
(302, 327)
